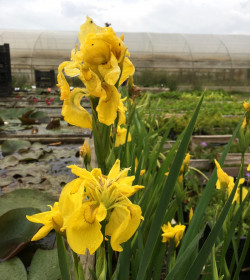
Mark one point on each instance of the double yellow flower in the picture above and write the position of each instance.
(91, 207)
(102, 64)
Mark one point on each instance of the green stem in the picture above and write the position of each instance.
(62, 257)
(198, 171)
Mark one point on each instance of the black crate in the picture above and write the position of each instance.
(45, 79)
(5, 71)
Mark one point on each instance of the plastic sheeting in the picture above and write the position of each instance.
(154, 50)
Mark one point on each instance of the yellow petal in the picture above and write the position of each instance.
(121, 112)
(122, 225)
(115, 170)
(190, 216)
(71, 198)
(241, 181)
(40, 218)
(88, 27)
(128, 190)
(222, 176)
(110, 71)
(92, 82)
(62, 83)
(72, 69)
(121, 134)
(95, 50)
(42, 232)
(81, 234)
(246, 106)
(73, 112)
(128, 69)
(107, 106)
(101, 212)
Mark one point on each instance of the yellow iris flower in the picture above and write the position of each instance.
(226, 182)
(101, 63)
(89, 203)
(170, 232)
(107, 199)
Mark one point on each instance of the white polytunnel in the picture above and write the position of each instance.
(187, 58)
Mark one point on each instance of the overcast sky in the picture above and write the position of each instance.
(164, 16)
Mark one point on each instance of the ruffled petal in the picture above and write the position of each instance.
(92, 82)
(107, 106)
(110, 71)
(122, 225)
(128, 69)
(62, 83)
(95, 51)
(73, 112)
(88, 27)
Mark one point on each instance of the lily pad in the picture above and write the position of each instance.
(49, 270)
(13, 269)
(5, 181)
(13, 113)
(12, 146)
(25, 198)
(11, 160)
(16, 231)
(30, 169)
(38, 115)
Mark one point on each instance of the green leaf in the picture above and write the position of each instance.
(242, 257)
(214, 265)
(13, 269)
(196, 221)
(166, 196)
(25, 198)
(44, 265)
(177, 271)
(37, 115)
(101, 264)
(16, 231)
(196, 267)
(12, 146)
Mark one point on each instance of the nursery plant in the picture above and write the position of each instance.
(128, 211)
